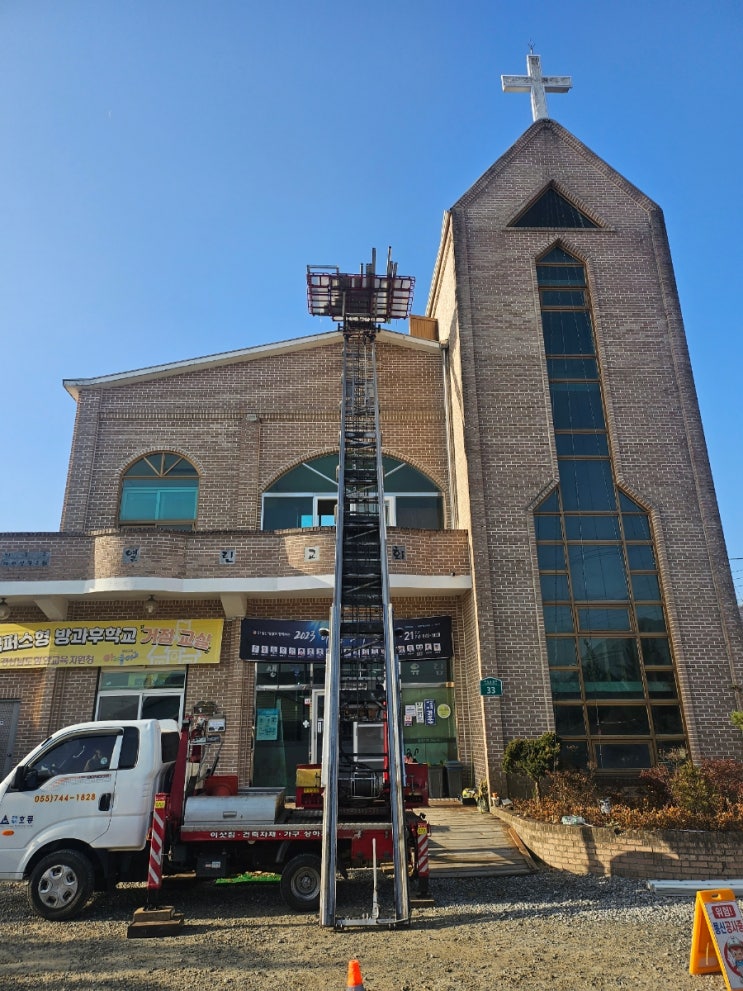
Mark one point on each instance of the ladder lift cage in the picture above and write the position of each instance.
(361, 619)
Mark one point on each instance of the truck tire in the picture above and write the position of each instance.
(300, 882)
(60, 885)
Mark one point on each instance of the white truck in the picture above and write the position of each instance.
(76, 816)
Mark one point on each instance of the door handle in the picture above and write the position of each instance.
(104, 802)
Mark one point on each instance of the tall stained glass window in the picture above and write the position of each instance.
(611, 665)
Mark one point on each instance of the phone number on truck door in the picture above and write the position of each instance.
(81, 796)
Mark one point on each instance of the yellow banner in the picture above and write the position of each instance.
(113, 644)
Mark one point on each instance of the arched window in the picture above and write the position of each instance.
(160, 489)
(307, 496)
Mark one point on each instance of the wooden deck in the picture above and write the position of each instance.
(467, 843)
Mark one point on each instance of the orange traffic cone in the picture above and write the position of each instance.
(354, 981)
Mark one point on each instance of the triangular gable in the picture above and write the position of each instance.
(548, 128)
(276, 349)
(552, 209)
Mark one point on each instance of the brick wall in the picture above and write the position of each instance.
(244, 424)
(33, 689)
(663, 854)
(197, 555)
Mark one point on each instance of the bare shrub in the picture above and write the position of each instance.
(675, 795)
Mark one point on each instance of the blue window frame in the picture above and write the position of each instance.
(307, 496)
(160, 489)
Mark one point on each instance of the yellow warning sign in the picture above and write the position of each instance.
(717, 937)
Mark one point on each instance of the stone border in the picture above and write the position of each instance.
(670, 854)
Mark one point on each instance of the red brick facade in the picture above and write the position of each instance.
(469, 410)
(484, 295)
(242, 422)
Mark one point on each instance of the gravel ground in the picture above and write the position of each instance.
(548, 930)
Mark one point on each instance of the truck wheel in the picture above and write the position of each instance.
(300, 882)
(60, 885)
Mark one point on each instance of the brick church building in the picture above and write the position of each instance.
(552, 521)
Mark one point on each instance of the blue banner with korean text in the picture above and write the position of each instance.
(283, 640)
(423, 639)
(306, 640)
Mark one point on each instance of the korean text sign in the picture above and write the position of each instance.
(111, 643)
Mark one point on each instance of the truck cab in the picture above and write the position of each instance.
(77, 809)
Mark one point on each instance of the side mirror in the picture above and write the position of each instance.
(25, 778)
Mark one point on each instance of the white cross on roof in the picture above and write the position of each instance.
(536, 84)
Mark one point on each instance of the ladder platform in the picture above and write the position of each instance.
(370, 923)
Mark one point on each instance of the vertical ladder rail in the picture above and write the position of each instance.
(331, 715)
(394, 694)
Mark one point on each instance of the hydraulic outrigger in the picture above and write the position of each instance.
(361, 616)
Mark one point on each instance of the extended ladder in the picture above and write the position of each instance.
(361, 620)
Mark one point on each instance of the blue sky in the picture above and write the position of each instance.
(169, 167)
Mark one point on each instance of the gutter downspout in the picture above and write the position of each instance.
(454, 508)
